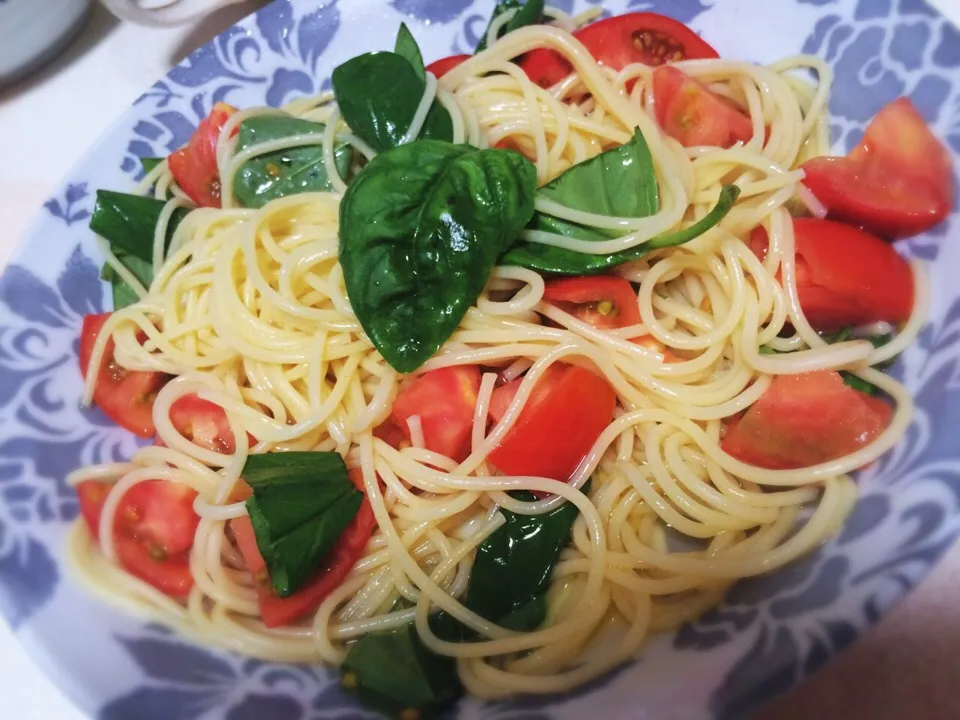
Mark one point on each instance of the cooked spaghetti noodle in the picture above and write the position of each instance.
(248, 308)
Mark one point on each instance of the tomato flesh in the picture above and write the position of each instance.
(194, 166)
(204, 423)
(444, 65)
(125, 396)
(619, 41)
(277, 611)
(604, 302)
(804, 420)
(568, 409)
(898, 182)
(693, 115)
(444, 400)
(845, 276)
(153, 530)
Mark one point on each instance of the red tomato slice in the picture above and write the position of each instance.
(277, 611)
(194, 166)
(804, 420)
(391, 435)
(154, 530)
(619, 41)
(126, 396)
(444, 399)
(693, 115)
(444, 65)
(203, 422)
(898, 182)
(561, 421)
(846, 276)
(603, 301)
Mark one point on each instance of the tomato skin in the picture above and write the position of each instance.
(616, 42)
(804, 420)
(445, 400)
(125, 396)
(194, 166)
(898, 182)
(276, 611)
(846, 276)
(153, 530)
(588, 299)
(568, 409)
(205, 423)
(444, 65)
(693, 115)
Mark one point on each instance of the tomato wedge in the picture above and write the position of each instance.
(154, 529)
(897, 182)
(277, 611)
(444, 65)
(566, 412)
(126, 396)
(693, 115)
(203, 422)
(444, 400)
(619, 41)
(846, 276)
(603, 301)
(804, 420)
(194, 166)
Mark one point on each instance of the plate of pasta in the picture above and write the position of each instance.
(610, 350)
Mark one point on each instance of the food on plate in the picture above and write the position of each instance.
(469, 376)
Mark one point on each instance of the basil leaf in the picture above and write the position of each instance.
(528, 13)
(620, 182)
(123, 294)
(513, 566)
(560, 261)
(301, 504)
(149, 163)
(127, 222)
(406, 47)
(284, 172)
(394, 672)
(421, 227)
(858, 383)
(378, 95)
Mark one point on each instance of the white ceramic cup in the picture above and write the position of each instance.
(157, 13)
(32, 31)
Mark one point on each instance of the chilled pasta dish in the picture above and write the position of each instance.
(471, 376)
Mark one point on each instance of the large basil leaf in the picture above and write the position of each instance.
(421, 226)
(128, 222)
(123, 294)
(393, 672)
(283, 172)
(301, 504)
(378, 95)
(528, 13)
(560, 261)
(406, 47)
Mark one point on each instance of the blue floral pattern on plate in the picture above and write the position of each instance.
(770, 633)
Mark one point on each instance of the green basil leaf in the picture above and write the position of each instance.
(149, 163)
(620, 182)
(858, 383)
(284, 172)
(378, 95)
(127, 222)
(528, 13)
(421, 227)
(526, 617)
(560, 261)
(406, 47)
(393, 672)
(513, 566)
(123, 294)
(301, 504)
